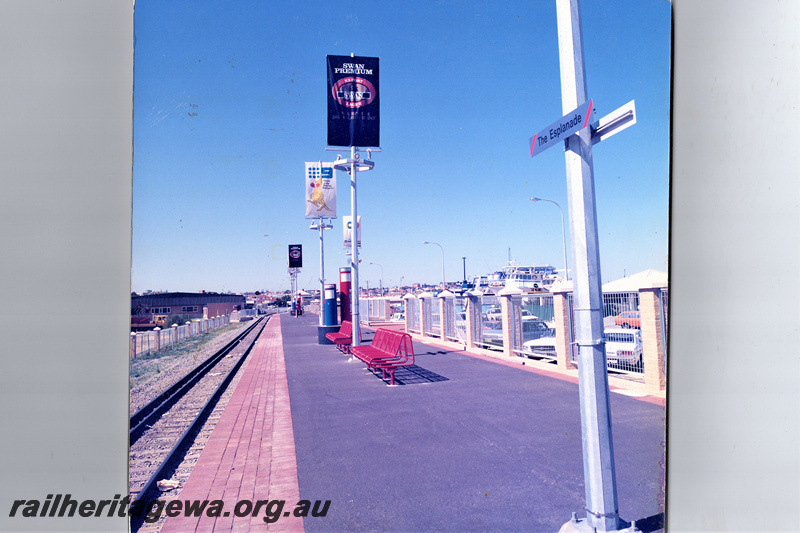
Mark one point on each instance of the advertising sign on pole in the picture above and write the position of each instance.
(295, 256)
(347, 226)
(353, 101)
(320, 184)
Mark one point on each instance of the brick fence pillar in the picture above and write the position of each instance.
(511, 315)
(562, 323)
(407, 305)
(474, 318)
(653, 356)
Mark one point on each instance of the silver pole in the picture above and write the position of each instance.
(321, 266)
(354, 247)
(564, 241)
(598, 450)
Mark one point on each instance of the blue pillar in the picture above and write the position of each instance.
(329, 306)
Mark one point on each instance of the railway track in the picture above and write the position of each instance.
(167, 434)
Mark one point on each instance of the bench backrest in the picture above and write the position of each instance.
(346, 328)
(393, 342)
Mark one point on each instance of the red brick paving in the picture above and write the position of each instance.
(250, 454)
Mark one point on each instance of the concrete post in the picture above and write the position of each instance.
(407, 305)
(563, 322)
(474, 318)
(387, 309)
(447, 318)
(653, 356)
(158, 338)
(133, 345)
(511, 316)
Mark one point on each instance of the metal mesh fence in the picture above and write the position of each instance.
(622, 336)
(490, 332)
(412, 312)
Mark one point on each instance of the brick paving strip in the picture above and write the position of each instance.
(251, 453)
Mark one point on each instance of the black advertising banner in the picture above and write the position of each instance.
(295, 256)
(353, 101)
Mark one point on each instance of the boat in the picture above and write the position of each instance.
(524, 278)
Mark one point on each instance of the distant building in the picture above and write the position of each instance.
(191, 305)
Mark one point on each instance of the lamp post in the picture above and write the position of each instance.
(381, 276)
(442, 249)
(321, 225)
(563, 233)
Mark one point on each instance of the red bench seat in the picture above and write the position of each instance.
(344, 337)
(390, 350)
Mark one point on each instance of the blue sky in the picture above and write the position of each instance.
(230, 101)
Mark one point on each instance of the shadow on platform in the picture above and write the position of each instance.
(413, 375)
(651, 523)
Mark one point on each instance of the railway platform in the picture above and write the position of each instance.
(461, 443)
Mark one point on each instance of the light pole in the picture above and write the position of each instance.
(442, 249)
(563, 233)
(321, 225)
(381, 276)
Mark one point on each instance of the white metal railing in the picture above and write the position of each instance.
(435, 323)
(459, 332)
(412, 314)
(489, 334)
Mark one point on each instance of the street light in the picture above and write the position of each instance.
(563, 233)
(440, 247)
(381, 276)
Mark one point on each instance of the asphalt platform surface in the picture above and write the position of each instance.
(463, 444)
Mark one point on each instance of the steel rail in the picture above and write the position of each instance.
(147, 415)
(169, 464)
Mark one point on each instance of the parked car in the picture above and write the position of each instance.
(497, 314)
(543, 346)
(398, 317)
(628, 319)
(624, 346)
(493, 314)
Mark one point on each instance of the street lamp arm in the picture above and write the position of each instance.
(442, 249)
(563, 232)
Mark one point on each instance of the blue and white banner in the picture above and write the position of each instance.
(320, 190)
(347, 227)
